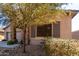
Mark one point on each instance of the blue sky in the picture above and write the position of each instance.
(75, 20)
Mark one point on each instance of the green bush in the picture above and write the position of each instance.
(10, 42)
(61, 47)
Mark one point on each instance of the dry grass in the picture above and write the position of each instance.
(62, 47)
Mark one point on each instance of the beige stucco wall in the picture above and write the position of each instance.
(65, 27)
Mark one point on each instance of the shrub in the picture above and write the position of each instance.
(61, 47)
(10, 42)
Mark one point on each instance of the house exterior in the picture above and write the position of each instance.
(7, 33)
(1, 34)
(75, 34)
(61, 29)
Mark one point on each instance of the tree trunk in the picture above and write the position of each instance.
(13, 33)
(28, 36)
(24, 39)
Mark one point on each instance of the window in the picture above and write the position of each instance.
(33, 31)
(56, 30)
(44, 30)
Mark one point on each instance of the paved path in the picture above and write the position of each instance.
(31, 50)
(34, 49)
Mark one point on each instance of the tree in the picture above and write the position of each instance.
(26, 15)
(11, 14)
(37, 14)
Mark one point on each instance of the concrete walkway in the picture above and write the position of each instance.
(33, 42)
(4, 45)
(34, 49)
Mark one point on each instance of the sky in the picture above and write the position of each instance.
(75, 23)
(75, 20)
